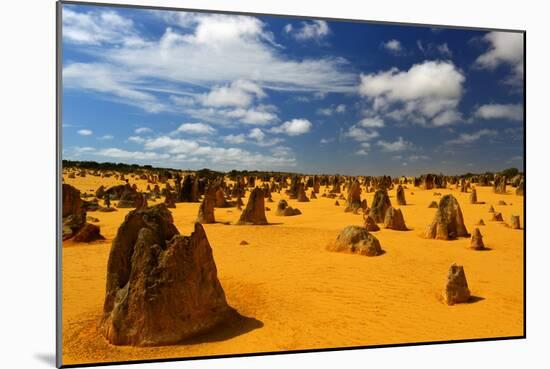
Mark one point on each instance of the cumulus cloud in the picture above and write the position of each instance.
(340, 109)
(419, 95)
(393, 46)
(235, 139)
(500, 111)
(106, 137)
(433, 49)
(189, 53)
(239, 93)
(371, 122)
(98, 27)
(85, 132)
(315, 30)
(142, 130)
(195, 128)
(261, 139)
(136, 139)
(360, 134)
(399, 145)
(363, 149)
(169, 150)
(256, 115)
(136, 155)
(468, 138)
(505, 48)
(326, 140)
(294, 127)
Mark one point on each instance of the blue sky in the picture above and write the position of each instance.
(195, 90)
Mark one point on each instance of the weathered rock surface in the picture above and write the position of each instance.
(370, 224)
(456, 290)
(88, 233)
(448, 221)
(400, 195)
(380, 205)
(394, 220)
(254, 212)
(356, 240)
(476, 241)
(162, 287)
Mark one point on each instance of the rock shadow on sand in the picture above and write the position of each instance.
(230, 328)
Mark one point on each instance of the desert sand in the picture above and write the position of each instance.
(293, 294)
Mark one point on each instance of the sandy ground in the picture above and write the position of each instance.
(293, 294)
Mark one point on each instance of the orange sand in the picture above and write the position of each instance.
(296, 295)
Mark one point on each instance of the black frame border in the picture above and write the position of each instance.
(59, 174)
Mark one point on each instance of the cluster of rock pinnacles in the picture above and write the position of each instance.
(162, 287)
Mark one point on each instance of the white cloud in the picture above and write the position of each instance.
(106, 137)
(257, 115)
(235, 139)
(394, 46)
(96, 28)
(111, 82)
(294, 127)
(341, 108)
(171, 150)
(172, 145)
(81, 150)
(315, 30)
(326, 140)
(191, 53)
(359, 134)
(239, 93)
(504, 48)
(136, 155)
(371, 122)
(142, 130)
(325, 111)
(195, 128)
(85, 132)
(399, 145)
(500, 111)
(419, 95)
(467, 138)
(433, 49)
(364, 149)
(136, 139)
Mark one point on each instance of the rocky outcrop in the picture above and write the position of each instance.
(456, 289)
(88, 233)
(514, 222)
(380, 205)
(254, 212)
(394, 220)
(448, 221)
(162, 287)
(499, 184)
(370, 224)
(400, 195)
(206, 208)
(356, 240)
(353, 202)
(283, 209)
(476, 242)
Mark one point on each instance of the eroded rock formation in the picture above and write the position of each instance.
(448, 221)
(356, 240)
(162, 287)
